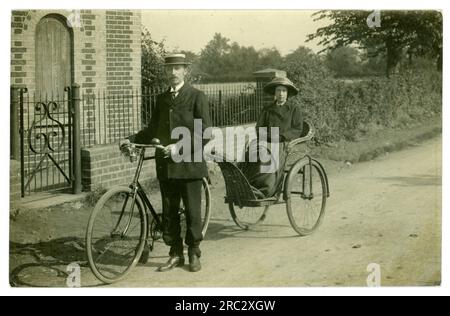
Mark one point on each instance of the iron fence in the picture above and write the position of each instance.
(106, 119)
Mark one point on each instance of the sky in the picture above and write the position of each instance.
(193, 29)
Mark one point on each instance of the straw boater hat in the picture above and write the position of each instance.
(281, 81)
(176, 59)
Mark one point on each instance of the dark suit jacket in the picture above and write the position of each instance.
(168, 114)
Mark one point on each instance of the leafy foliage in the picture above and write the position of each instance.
(344, 62)
(347, 109)
(225, 61)
(417, 33)
(151, 60)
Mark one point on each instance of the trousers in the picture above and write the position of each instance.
(190, 192)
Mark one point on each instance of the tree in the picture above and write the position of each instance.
(373, 64)
(306, 68)
(190, 56)
(152, 58)
(316, 98)
(417, 32)
(269, 58)
(211, 57)
(194, 74)
(221, 61)
(344, 61)
(240, 61)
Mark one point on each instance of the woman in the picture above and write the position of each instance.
(285, 115)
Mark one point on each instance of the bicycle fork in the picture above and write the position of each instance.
(134, 188)
(309, 168)
(116, 232)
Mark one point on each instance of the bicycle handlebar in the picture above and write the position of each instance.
(146, 145)
(131, 149)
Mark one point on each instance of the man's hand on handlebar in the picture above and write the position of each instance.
(124, 145)
(168, 150)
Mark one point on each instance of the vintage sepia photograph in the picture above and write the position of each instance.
(225, 148)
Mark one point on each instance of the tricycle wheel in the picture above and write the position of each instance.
(248, 217)
(306, 196)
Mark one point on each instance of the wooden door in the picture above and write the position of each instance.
(53, 57)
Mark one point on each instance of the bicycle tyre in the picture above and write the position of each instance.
(297, 199)
(248, 217)
(139, 237)
(207, 214)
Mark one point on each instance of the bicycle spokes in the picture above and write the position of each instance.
(117, 234)
(307, 196)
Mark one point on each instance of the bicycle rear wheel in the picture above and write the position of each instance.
(205, 210)
(156, 232)
(206, 206)
(116, 234)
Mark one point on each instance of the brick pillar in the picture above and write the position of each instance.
(262, 77)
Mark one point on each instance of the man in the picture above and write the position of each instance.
(178, 107)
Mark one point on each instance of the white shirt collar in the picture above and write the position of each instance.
(177, 87)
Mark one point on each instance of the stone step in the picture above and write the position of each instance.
(46, 200)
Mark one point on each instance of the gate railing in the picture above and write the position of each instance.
(106, 119)
(45, 137)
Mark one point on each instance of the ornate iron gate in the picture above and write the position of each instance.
(47, 142)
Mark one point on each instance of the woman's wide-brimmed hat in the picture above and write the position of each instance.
(176, 59)
(281, 81)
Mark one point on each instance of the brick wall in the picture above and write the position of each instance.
(106, 48)
(123, 50)
(123, 57)
(106, 61)
(106, 58)
(104, 166)
(90, 49)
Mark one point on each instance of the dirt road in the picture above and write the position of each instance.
(386, 212)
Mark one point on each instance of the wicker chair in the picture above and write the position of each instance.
(239, 191)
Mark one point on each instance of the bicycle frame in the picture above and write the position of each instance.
(137, 189)
(309, 196)
(303, 171)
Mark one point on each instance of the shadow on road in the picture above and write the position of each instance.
(420, 180)
(51, 258)
(44, 264)
(218, 231)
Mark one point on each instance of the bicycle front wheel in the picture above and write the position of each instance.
(116, 233)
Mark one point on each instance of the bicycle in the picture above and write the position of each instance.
(124, 225)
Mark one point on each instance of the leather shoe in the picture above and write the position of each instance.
(173, 262)
(194, 263)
